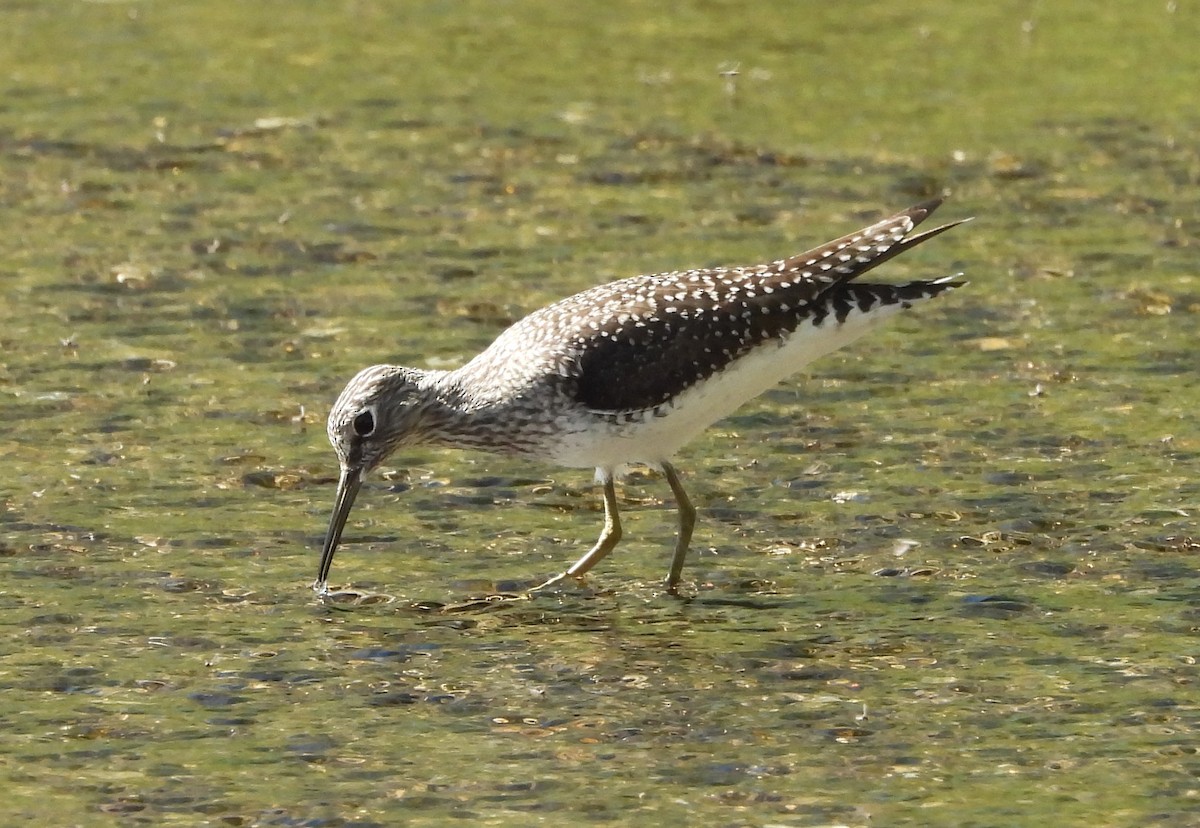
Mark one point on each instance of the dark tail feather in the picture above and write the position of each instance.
(912, 241)
(871, 297)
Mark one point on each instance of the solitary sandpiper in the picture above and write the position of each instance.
(628, 372)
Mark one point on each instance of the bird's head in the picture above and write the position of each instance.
(379, 411)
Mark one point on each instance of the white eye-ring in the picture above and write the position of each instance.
(364, 423)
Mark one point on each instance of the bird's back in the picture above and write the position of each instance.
(636, 344)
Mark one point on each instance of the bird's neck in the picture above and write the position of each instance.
(454, 416)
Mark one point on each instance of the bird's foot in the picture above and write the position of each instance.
(547, 583)
(557, 579)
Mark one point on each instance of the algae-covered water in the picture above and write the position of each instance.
(947, 577)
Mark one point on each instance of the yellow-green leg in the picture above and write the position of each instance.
(687, 522)
(610, 535)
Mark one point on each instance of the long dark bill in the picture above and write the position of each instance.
(347, 488)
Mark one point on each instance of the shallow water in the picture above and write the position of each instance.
(946, 577)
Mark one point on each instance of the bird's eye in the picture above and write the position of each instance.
(364, 424)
